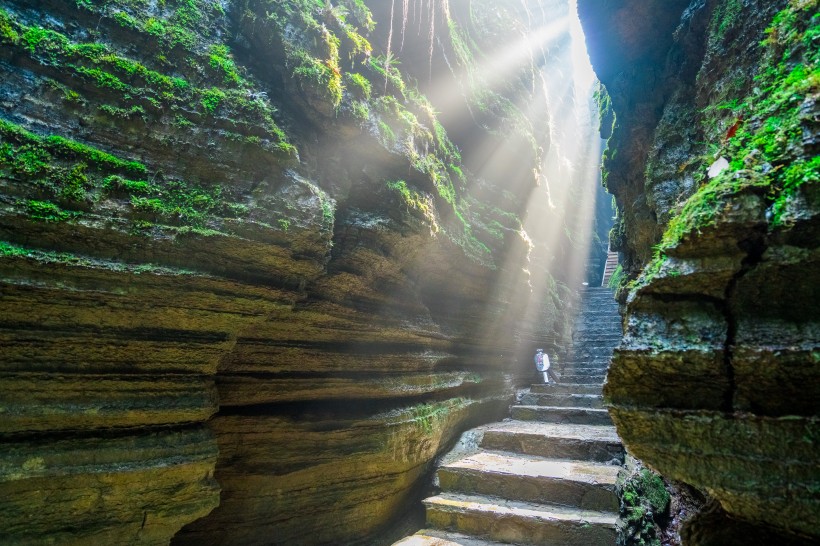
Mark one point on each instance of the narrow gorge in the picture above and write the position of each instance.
(262, 262)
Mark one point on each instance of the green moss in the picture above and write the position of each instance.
(73, 183)
(428, 417)
(117, 184)
(412, 199)
(63, 147)
(323, 76)
(39, 161)
(178, 201)
(211, 98)
(140, 90)
(386, 66)
(360, 110)
(220, 60)
(8, 35)
(387, 134)
(361, 13)
(123, 113)
(765, 152)
(11, 250)
(359, 86)
(796, 175)
(725, 17)
(644, 501)
(617, 278)
(48, 212)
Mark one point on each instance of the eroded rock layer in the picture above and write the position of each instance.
(713, 162)
(249, 286)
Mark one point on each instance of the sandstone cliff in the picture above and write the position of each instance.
(249, 286)
(713, 162)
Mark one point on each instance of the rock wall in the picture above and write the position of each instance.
(713, 162)
(249, 287)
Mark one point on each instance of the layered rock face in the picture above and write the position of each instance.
(714, 165)
(249, 288)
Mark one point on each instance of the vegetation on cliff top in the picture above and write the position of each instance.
(138, 91)
(760, 136)
(189, 76)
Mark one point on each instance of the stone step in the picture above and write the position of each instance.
(606, 330)
(611, 327)
(520, 523)
(551, 414)
(599, 312)
(567, 367)
(600, 304)
(594, 296)
(437, 537)
(599, 354)
(568, 376)
(565, 388)
(600, 338)
(563, 400)
(580, 369)
(590, 349)
(600, 365)
(583, 379)
(606, 348)
(580, 484)
(584, 367)
(555, 440)
(607, 341)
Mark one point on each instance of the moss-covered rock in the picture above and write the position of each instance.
(238, 241)
(713, 382)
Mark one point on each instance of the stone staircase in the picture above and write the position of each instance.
(610, 267)
(547, 475)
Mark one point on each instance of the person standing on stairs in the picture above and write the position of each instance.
(542, 364)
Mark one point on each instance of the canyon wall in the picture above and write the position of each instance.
(713, 162)
(250, 288)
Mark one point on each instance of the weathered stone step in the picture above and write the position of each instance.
(611, 328)
(590, 342)
(586, 485)
(584, 379)
(582, 369)
(437, 537)
(589, 350)
(604, 299)
(597, 318)
(585, 367)
(601, 366)
(591, 315)
(576, 416)
(598, 294)
(602, 304)
(555, 440)
(602, 359)
(600, 338)
(563, 400)
(565, 387)
(520, 523)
